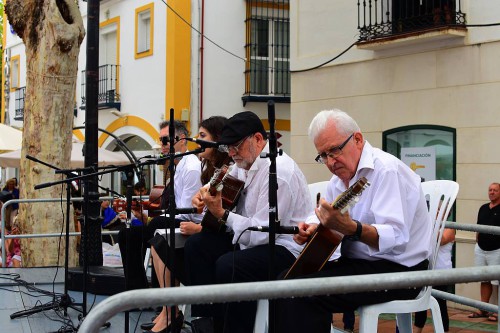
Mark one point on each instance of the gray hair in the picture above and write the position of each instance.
(344, 124)
(179, 126)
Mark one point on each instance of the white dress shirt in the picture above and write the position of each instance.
(187, 183)
(294, 202)
(394, 204)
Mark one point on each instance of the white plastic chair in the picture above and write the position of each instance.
(439, 193)
(261, 324)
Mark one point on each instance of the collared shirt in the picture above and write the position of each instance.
(187, 183)
(294, 201)
(394, 204)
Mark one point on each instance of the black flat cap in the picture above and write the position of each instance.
(240, 126)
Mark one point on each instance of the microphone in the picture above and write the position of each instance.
(192, 210)
(280, 229)
(160, 158)
(160, 155)
(204, 143)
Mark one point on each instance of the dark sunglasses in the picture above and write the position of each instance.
(165, 140)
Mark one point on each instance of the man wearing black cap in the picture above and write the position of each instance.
(211, 257)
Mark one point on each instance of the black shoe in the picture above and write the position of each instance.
(179, 322)
(147, 326)
(162, 331)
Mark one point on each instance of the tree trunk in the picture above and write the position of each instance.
(52, 31)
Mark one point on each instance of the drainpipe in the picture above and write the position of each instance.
(202, 57)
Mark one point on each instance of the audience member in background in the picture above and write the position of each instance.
(487, 249)
(11, 186)
(443, 262)
(12, 246)
(211, 159)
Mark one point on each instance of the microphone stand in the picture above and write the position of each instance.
(274, 223)
(65, 301)
(171, 212)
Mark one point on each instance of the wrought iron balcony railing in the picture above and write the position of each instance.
(108, 96)
(384, 18)
(19, 103)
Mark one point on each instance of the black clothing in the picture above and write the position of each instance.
(133, 244)
(487, 216)
(421, 316)
(222, 263)
(316, 311)
(161, 246)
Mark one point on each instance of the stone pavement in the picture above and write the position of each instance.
(459, 323)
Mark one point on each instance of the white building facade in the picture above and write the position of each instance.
(423, 80)
(152, 58)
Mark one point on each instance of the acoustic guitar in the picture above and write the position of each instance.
(324, 241)
(231, 188)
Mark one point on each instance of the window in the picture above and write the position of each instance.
(379, 19)
(144, 31)
(267, 49)
(440, 140)
(412, 15)
(14, 72)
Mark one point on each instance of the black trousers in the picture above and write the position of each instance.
(210, 258)
(133, 244)
(314, 314)
(421, 316)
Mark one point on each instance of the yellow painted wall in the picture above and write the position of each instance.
(178, 76)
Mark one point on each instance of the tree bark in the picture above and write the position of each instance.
(52, 31)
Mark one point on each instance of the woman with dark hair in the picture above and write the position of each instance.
(212, 159)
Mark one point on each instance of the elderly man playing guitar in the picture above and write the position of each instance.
(388, 230)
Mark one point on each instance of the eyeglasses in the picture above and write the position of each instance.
(333, 152)
(165, 140)
(232, 148)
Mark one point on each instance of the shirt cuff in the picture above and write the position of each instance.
(386, 237)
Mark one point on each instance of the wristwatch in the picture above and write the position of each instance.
(357, 235)
(223, 218)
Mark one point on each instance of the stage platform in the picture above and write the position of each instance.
(15, 297)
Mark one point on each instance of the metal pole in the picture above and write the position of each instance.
(91, 237)
(91, 253)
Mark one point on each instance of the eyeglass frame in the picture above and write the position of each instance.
(323, 157)
(167, 140)
(227, 148)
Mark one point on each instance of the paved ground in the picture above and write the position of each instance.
(459, 323)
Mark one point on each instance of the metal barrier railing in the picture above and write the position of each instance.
(300, 288)
(62, 200)
(278, 289)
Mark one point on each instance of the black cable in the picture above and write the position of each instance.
(481, 25)
(213, 42)
(326, 62)
(295, 71)
(199, 32)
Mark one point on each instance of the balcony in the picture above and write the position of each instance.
(408, 21)
(19, 103)
(108, 96)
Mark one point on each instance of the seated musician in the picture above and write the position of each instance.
(134, 241)
(210, 256)
(212, 159)
(387, 231)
